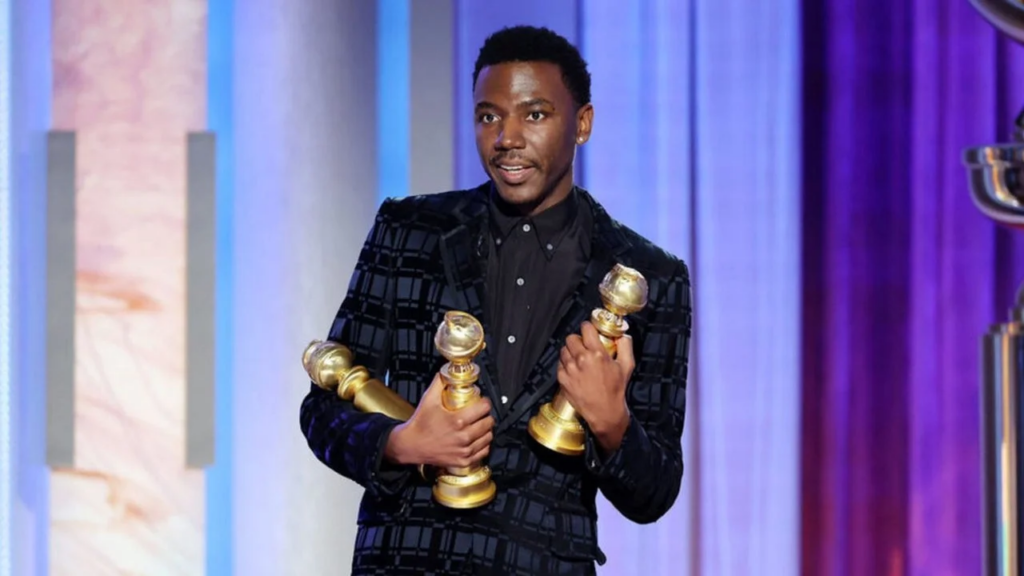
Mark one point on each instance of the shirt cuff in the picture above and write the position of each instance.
(387, 477)
(616, 465)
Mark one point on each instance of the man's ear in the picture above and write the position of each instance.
(584, 123)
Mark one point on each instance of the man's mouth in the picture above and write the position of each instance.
(514, 173)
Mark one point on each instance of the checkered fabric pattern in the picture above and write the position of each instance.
(426, 255)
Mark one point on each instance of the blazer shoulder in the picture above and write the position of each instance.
(653, 260)
(430, 209)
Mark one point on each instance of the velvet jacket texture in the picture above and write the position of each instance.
(426, 255)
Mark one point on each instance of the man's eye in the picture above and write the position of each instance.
(537, 116)
(487, 118)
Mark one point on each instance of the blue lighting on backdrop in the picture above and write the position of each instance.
(7, 472)
(27, 86)
(393, 61)
(220, 99)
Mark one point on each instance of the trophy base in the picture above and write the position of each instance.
(472, 491)
(556, 433)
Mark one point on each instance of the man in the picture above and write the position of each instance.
(524, 253)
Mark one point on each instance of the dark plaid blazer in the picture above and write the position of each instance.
(426, 255)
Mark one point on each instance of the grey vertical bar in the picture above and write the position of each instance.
(201, 276)
(60, 299)
(432, 99)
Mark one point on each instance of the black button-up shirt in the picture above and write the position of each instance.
(534, 266)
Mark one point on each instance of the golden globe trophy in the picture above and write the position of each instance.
(623, 292)
(996, 176)
(329, 365)
(459, 338)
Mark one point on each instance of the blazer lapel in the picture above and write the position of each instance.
(464, 253)
(608, 243)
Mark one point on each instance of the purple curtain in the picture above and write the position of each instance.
(901, 277)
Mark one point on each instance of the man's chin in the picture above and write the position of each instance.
(517, 195)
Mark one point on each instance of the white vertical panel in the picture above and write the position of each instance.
(305, 195)
(638, 165)
(696, 146)
(747, 273)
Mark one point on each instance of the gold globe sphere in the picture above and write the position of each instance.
(459, 337)
(623, 290)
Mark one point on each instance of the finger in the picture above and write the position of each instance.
(563, 365)
(475, 410)
(624, 353)
(575, 345)
(566, 382)
(566, 357)
(562, 375)
(478, 456)
(468, 437)
(591, 339)
(471, 414)
(479, 429)
(481, 443)
(570, 365)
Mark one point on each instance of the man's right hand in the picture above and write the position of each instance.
(436, 436)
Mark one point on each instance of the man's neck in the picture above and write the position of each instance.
(561, 191)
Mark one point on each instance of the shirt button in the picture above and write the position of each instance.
(504, 399)
(511, 339)
(550, 247)
(526, 227)
(520, 281)
(498, 241)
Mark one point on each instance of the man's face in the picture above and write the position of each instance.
(527, 129)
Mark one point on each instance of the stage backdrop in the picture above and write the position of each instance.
(901, 274)
(802, 157)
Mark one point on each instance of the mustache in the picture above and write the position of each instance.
(506, 158)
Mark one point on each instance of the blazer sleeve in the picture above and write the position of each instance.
(642, 478)
(347, 440)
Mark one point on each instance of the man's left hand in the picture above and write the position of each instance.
(595, 384)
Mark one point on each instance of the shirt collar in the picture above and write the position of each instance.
(549, 227)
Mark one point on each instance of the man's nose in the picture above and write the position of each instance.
(511, 136)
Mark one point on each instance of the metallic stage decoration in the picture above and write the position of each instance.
(996, 175)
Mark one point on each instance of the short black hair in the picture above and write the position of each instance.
(533, 44)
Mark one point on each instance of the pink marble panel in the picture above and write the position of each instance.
(130, 79)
